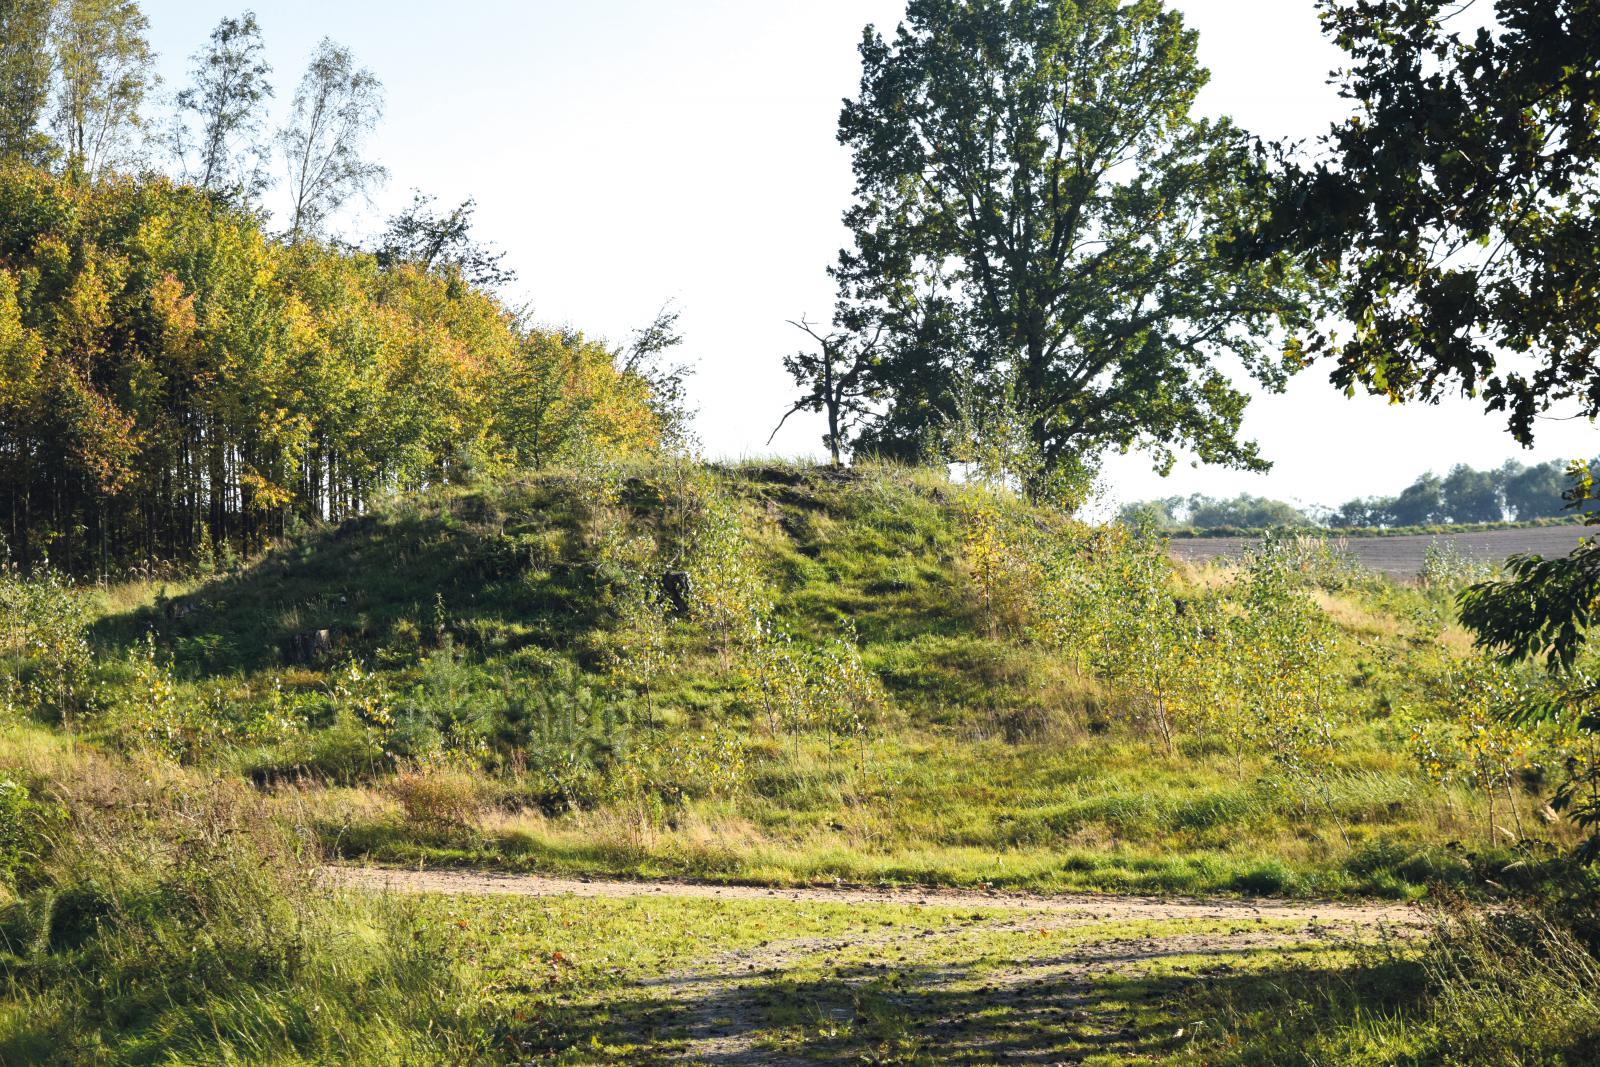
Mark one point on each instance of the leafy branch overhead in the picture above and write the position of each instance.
(1453, 213)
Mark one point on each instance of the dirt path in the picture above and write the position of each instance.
(1035, 1005)
(1088, 907)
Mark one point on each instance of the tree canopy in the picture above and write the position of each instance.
(1454, 216)
(172, 377)
(1040, 228)
(1453, 213)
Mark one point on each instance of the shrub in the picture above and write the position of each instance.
(440, 798)
(23, 825)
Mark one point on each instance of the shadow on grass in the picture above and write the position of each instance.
(1046, 1011)
(490, 564)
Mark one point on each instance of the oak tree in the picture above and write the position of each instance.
(1038, 165)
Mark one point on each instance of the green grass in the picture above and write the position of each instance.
(1040, 818)
(157, 906)
(991, 760)
(157, 917)
(649, 981)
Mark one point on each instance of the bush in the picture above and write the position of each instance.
(441, 798)
(23, 825)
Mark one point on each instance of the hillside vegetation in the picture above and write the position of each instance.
(767, 674)
(777, 673)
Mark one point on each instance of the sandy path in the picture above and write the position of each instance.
(1087, 907)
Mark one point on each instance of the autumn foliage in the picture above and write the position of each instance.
(174, 380)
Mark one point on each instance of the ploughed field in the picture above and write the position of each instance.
(1403, 556)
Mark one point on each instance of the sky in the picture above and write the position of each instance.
(630, 153)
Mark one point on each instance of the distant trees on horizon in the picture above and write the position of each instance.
(1513, 492)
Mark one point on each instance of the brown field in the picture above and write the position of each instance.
(1402, 557)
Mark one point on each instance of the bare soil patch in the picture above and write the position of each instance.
(1088, 907)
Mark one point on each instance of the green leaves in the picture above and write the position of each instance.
(1455, 211)
(172, 377)
(1040, 222)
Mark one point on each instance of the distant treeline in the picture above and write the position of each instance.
(173, 379)
(1513, 492)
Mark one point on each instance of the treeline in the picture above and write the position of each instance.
(180, 377)
(1513, 492)
(173, 379)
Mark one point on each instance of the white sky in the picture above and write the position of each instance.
(629, 152)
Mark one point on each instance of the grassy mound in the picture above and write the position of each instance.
(556, 673)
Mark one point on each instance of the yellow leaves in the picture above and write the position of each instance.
(266, 494)
(21, 351)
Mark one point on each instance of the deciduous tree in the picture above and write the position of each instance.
(1038, 165)
(105, 68)
(216, 132)
(442, 241)
(838, 380)
(1454, 213)
(336, 108)
(25, 67)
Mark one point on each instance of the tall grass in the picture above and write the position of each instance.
(162, 917)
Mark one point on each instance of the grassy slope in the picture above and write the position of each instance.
(994, 762)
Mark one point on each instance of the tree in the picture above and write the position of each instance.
(336, 108)
(1534, 492)
(839, 381)
(1454, 215)
(646, 359)
(25, 78)
(1245, 511)
(419, 235)
(1419, 504)
(1454, 211)
(1472, 496)
(1035, 166)
(105, 70)
(216, 131)
(175, 382)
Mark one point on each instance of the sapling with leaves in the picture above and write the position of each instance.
(825, 687)
(1145, 639)
(844, 695)
(45, 628)
(1546, 608)
(155, 715)
(727, 596)
(639, 651)
(363, 696)
(1284, 654)
(1003, 562)
(1478, 742)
